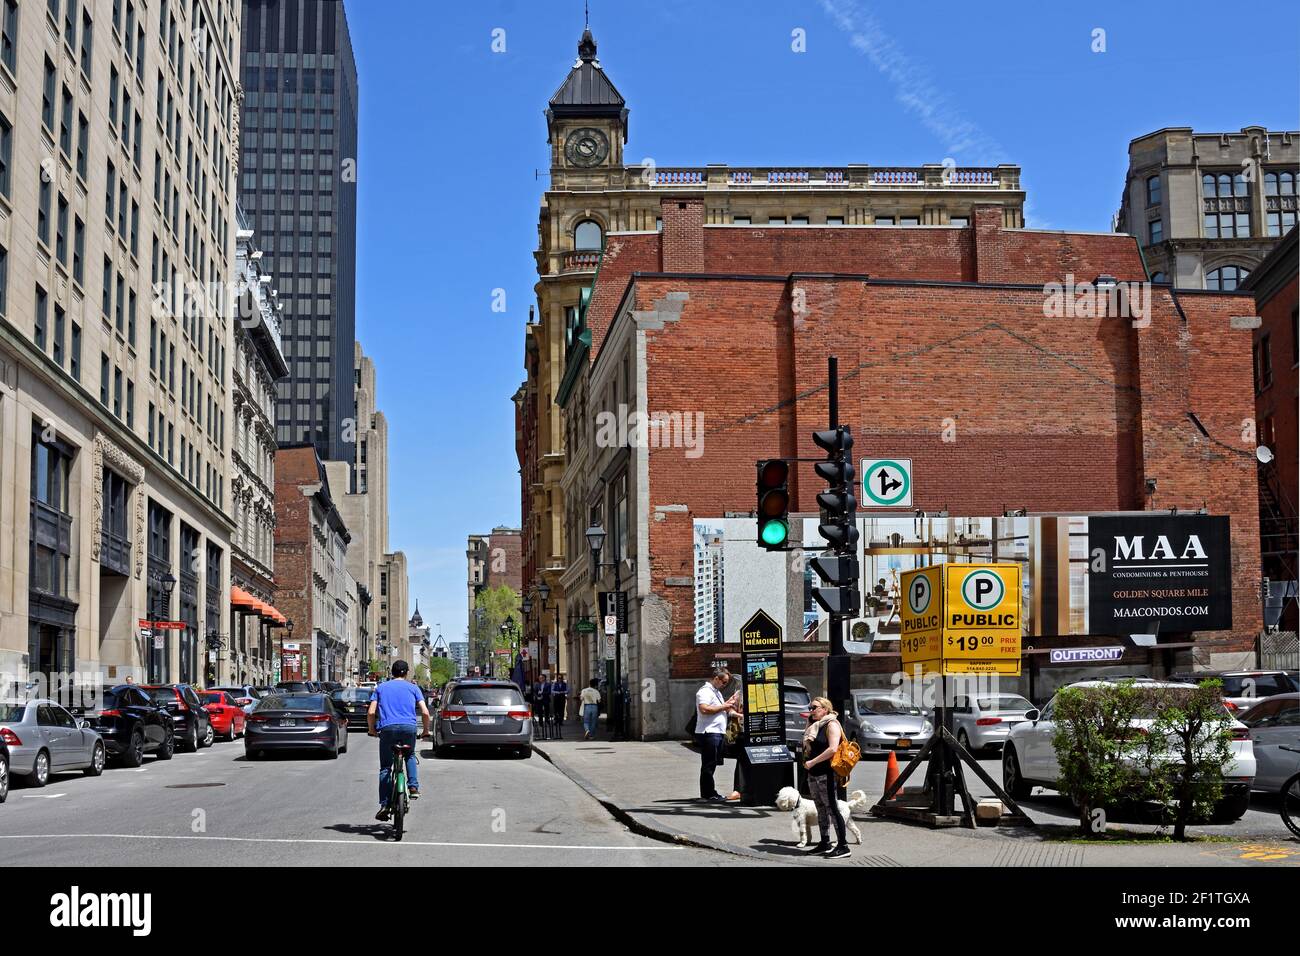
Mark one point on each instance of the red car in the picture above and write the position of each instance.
(228, 718)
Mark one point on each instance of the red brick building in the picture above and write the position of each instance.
(311, 579)
(1276, 354)
(947, 352)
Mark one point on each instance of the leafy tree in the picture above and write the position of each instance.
(498, 604)
(1187, 752)
(1098, 746)
(422, 674)
(441, 670)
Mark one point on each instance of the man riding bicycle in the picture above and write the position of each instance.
(391, 718)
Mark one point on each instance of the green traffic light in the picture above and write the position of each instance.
(775, 532)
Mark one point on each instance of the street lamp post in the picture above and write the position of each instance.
(168, 581)
(526, 606)
(596, 541)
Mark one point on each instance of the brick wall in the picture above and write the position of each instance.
(294, 467)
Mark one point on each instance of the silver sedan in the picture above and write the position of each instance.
(44, 738)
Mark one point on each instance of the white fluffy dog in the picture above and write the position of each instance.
(803, 813)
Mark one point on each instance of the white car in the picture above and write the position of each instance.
(1029, 757)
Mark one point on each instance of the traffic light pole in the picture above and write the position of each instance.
(837, 665)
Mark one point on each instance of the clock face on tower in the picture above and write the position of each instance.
(586, 147)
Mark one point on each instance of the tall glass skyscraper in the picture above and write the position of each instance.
(298, 188)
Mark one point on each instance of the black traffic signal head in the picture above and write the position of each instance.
(842, 536)
(837, 442)
(838, 504)
(835, 472)
(841, 571)
(773, 503)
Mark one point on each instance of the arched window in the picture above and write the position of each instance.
(587, 236)
(1226, 278)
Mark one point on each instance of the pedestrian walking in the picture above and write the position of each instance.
(559, 703)
(589, 699)
(711, 714)
(820, 741)
(542, 705)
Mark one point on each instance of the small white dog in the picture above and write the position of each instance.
(803, 813)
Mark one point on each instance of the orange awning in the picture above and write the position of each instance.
(248, 604)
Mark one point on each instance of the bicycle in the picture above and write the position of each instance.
(1291, 799)
(399, 798)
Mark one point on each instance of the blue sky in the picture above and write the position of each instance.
(452, 133)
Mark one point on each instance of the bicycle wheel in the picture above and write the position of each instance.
(1291, 804)
(398, 802)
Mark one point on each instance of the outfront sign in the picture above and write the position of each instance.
(1170, 569)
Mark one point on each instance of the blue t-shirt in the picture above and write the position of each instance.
(398, 702)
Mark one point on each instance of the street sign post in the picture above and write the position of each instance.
(765, 765)
(955, 619)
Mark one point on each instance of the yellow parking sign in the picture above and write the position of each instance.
(961, 619)
(921, 618)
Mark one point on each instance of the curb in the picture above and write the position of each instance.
(660, 831)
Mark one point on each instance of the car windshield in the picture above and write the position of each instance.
(486, 697)
(887, 705)
(1004, 702)
(352, 695)
(796, 698)
(1256, 685)
(314, 703)
(209, 697)
(12, 713)
(162, 695)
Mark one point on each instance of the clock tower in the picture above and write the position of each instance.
(586, 120)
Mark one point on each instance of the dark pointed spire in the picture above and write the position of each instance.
(587, 47)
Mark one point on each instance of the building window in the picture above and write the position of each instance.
(1280, 223)
(959, 221)
(1153, 191)
(74, 366)
(776, 220)
(51, 529)
(6, 155)
(587, 236)
(909, 221)
(834, 220)
(1263, 363)
(9, 35)
(47, 96)
(740, 220)
(884, 220)
(1279, 184)
(798, 220)
(43, 212)
(1226, 278)
(42, 318)
(1155, 231)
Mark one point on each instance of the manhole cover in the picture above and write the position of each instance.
(191, 786)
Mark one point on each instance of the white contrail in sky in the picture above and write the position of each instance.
(913, 88)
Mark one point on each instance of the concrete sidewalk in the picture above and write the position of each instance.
(650, 786)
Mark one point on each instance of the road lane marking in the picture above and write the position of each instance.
(43, 796)
(221, 839)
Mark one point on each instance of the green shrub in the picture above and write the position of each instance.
(1187, 753)
(1098, 747)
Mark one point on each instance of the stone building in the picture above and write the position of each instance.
(594, 191)
(721, 334)
(1206, 208)
(312, 584)
(258, 365)
(391, 639)
(113, 394)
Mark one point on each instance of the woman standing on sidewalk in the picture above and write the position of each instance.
(820, 741)
(590, 702)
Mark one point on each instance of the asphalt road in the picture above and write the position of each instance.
(218, 808)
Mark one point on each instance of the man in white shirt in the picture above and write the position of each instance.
(711, 713)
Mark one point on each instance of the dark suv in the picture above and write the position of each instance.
(190, 722)
(132, 725)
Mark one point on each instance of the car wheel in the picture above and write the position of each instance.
(191, 742)
(964, 739)
(1231, 809)
(230, 734)
(167, 747)
(1012, 781)
(134, 755)
(442, 751)
(525, 752)
(332, 753)
(250, 754)
(344, 748)
(209, 736)
(40, 774)
(96, 761)
(4, 778)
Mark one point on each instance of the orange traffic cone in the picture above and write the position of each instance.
(891, 772)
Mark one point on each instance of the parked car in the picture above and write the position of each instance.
(246, 695)
(44, 738)
(295, 687)
(885, 721)
(353, 703)
(190, 722)
(796, 700)
(225, 713)
(1029, 757)
(1244, 689)
(1273, 723)
(368, 684)
(293, 721)
(330, 686)
(132, 725)
(481, 712)
(4, 771)
(982, 721)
